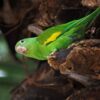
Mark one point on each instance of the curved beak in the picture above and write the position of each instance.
(20, 49)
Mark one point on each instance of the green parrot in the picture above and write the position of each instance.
(55, 38)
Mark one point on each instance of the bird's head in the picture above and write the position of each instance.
(24, 46)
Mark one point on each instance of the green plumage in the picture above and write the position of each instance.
(69, 32)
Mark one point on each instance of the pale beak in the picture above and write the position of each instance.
(20, 49)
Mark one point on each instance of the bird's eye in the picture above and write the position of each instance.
(22, 41)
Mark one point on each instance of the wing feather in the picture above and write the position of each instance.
(51, 34)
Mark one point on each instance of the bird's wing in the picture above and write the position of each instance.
(51, 34)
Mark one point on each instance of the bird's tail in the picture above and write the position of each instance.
(91, 17)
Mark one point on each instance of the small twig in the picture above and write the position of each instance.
(34, 29)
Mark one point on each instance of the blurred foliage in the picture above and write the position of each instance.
(11, 71)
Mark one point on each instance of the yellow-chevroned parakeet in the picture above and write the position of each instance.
(55, 38)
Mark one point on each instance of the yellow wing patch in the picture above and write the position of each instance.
(52, 37)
